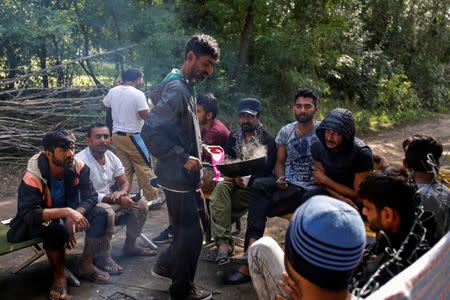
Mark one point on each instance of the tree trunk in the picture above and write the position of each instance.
(88, 68)
(43, 63)
(246, 40)
(13, 63)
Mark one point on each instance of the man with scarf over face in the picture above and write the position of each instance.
(229, 200)
(341, 161)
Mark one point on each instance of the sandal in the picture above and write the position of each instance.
(62, 290)
(210, 255)
(107, 264)
(222, 258)
(96, 277)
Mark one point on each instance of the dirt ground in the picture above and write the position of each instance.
(33, 282)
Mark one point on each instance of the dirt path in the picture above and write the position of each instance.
(389, 143)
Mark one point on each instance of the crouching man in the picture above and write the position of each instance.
(55, 200)
(324, 244)
(107, 171)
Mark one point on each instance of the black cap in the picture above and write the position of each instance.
(249, 105)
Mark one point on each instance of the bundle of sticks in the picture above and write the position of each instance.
(26, 114)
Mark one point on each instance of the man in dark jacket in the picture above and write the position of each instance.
(172, 134)
(56, 199)
(229, 200)
(391, 206)
(341, 161)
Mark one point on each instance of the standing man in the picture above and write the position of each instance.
(282, 194)
(341, 160)
(213, 132)
(230, 198)
(129, 108)
(172, 133)
(55, 200)
(107, 170)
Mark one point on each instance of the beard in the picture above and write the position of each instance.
(65, 164)
(100, 149)
(248, 128)
(305, 118)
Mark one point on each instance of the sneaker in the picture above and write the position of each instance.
(161, 272)
(164, 237)
(198, 293)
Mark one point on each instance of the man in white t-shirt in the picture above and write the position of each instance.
(107, 172)
(129, 108)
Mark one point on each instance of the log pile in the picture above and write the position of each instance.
(26, 114)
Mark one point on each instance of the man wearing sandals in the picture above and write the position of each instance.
(56, 199)
(230, 198)
(281, 194)
(107, 170)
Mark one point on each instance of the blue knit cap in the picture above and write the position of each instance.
(325, 241)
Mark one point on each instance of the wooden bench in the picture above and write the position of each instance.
(7, 247)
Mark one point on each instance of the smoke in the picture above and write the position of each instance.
(249, 150)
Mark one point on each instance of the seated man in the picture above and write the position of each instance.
(107, 170)
(341, 161)
(213, 132)
(55, 200)
(275, 196)
(229, 200)
(324, 243)
(390, 205)
(422, 155)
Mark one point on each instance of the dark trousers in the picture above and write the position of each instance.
(55, 235)
(268, 201)
(181, 257)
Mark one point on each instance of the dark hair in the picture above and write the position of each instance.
(62, 138)
(131, 75)
(391, 191)
(306, 94)
(95, 125)
(210, 103)
(417, 149)
(202, 44)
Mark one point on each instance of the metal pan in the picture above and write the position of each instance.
(243, 168)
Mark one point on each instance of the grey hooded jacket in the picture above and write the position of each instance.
(170, 135)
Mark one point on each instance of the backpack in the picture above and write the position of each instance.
(154, 93)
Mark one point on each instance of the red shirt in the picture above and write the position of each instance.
(217, 135)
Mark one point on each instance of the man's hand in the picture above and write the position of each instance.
(116, 195)
(289, 286)
(281, 183)
(193, 164)
(76, 219)
(126, 202)
(318, 176)
(71, 229)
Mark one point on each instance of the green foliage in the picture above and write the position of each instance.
(388, 58)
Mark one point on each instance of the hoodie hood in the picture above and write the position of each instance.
(340, 120)
(175, 73)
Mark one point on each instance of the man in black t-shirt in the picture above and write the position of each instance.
(341, 161)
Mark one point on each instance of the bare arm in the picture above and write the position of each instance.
(280, 167)
(281, 159)
(321, 178)
(144, 113)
